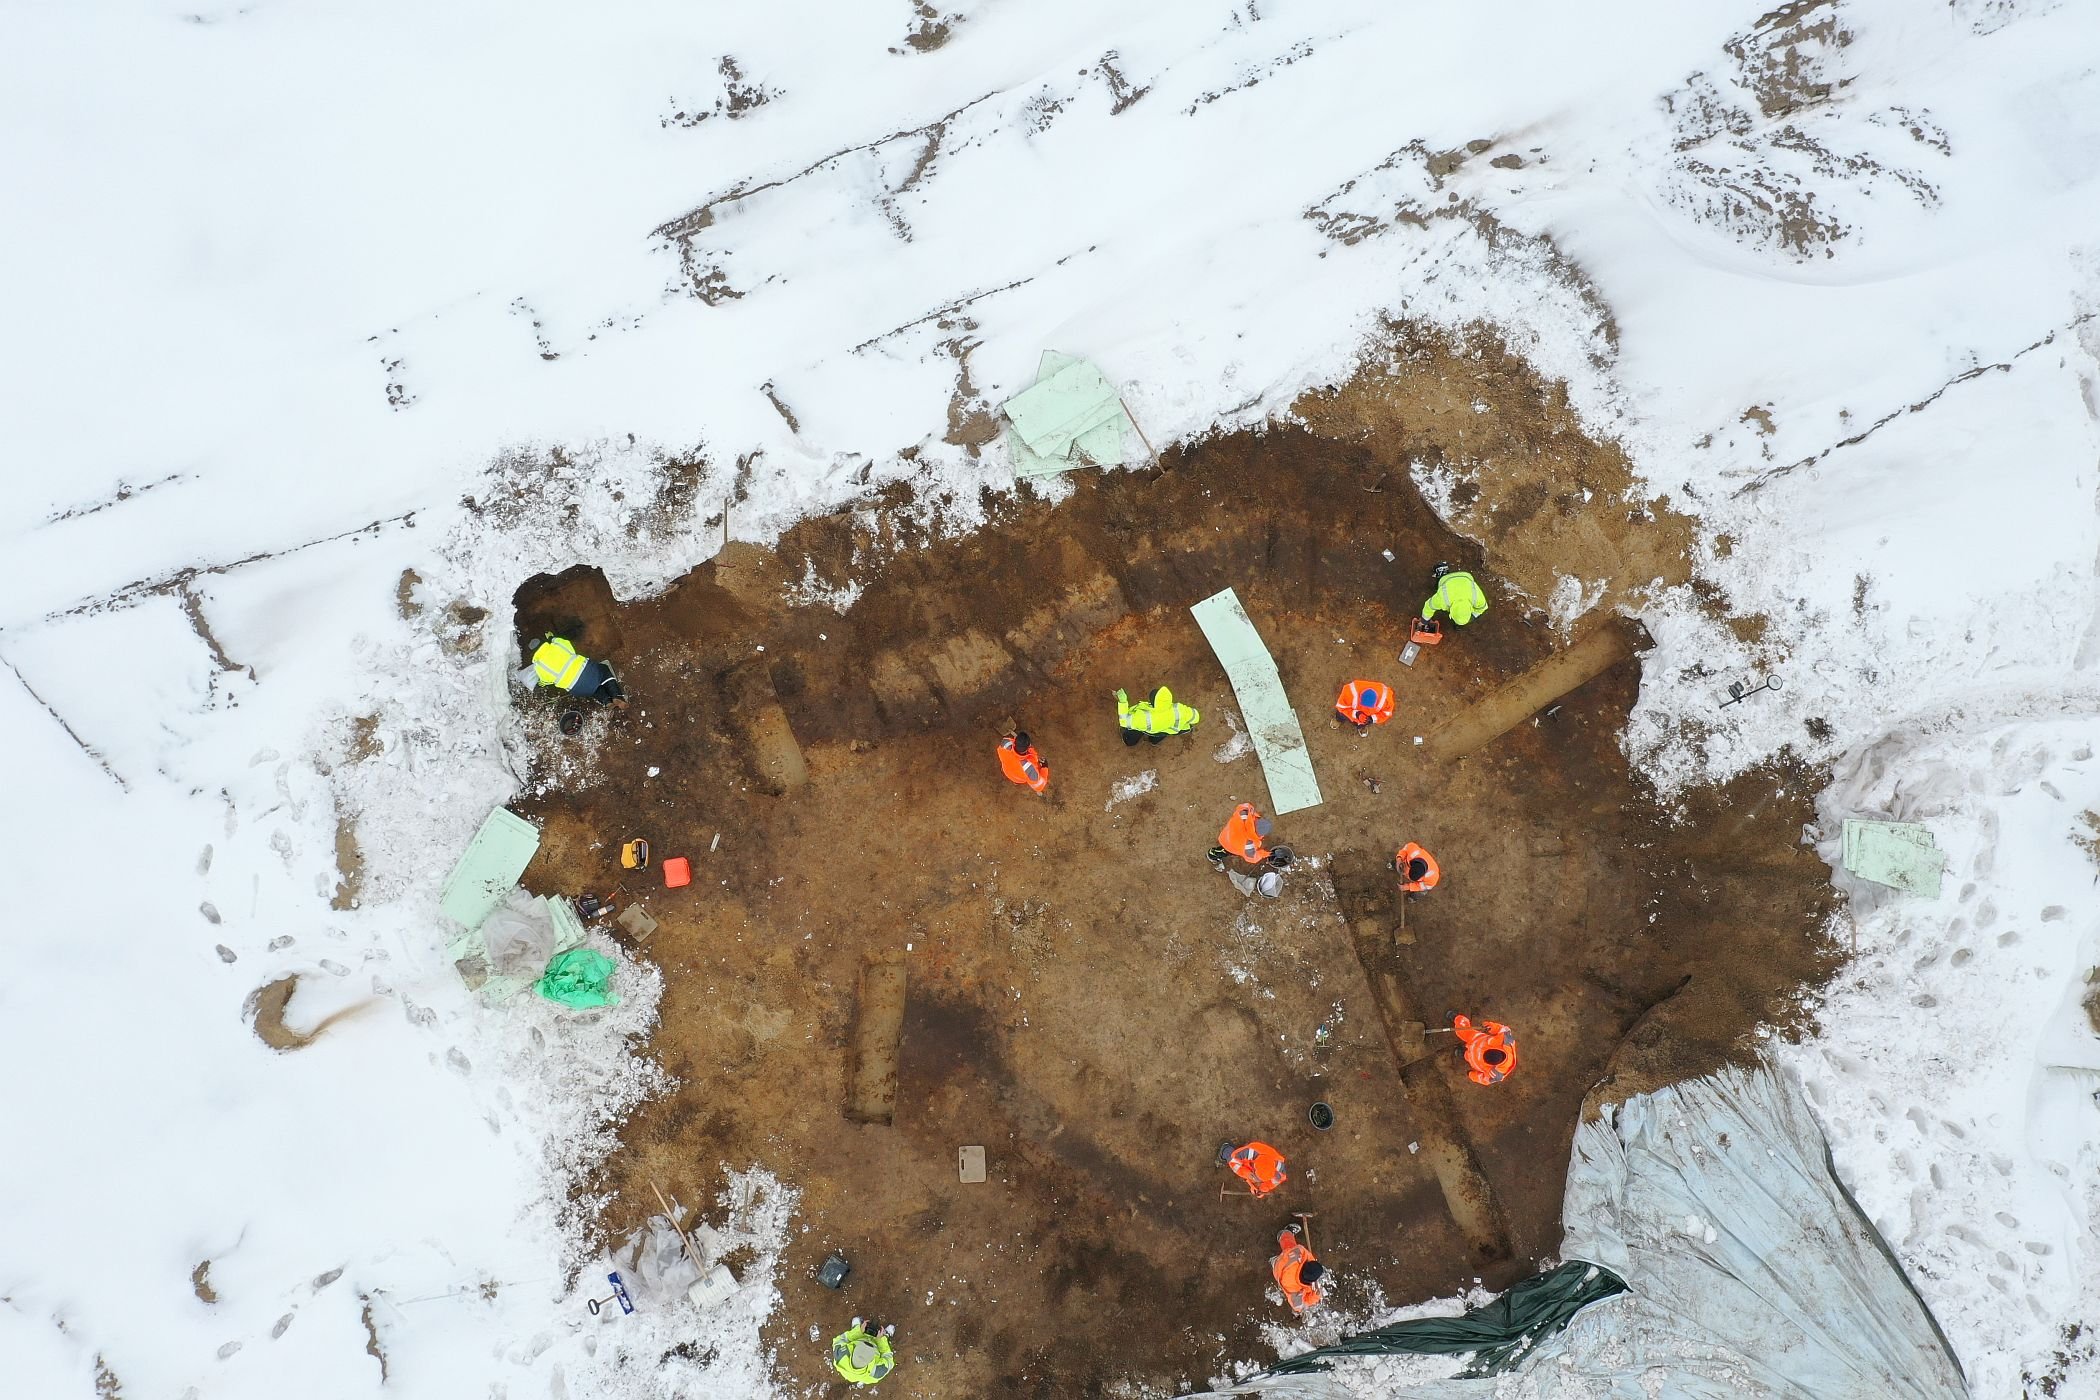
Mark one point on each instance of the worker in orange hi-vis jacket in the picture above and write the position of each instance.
(1491, 1049)
(1419, 872)
(1296, 1271)
(1022, 764)
(1365, 703)
(1244, 833)
(1261, 1166)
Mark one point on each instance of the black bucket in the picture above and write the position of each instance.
(1280, 858)
(1321, 1116)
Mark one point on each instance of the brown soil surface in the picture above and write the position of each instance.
(1081, 993)
(265, 1009)
(1543, 498)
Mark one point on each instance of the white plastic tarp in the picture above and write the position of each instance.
(1751, 1274)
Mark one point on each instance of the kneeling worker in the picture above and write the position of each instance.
(1457, 594)
(1022, 764)
(1153, 720)
(556, 662)
(1297, 1272)
(1365, 703)
(1245, 835)
(1491, 1051)
(861, 1356)
(1261, 1166)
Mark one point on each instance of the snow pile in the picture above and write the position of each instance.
(1959, 1065)
(1124, 789)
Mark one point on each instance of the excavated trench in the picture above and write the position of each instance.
(891, 952)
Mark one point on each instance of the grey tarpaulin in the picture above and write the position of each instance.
(1750, 1272)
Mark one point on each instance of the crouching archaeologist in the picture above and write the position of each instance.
(1154, 719)
(556, 662)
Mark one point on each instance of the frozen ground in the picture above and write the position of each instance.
(287, 285)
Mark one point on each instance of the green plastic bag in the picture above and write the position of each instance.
(577, 979)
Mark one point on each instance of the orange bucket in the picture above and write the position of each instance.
(678, 871)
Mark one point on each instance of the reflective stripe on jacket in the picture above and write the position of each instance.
(1459, 595)
(557, 662)
(1159, 715)
(1488, 1035)
(862, 1357)
(1365, 702)
(1260, 1166)
(1288, 1267)
(1242, 836)
(1027, 769)
(1410, 853)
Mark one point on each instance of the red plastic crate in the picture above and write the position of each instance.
(677, 871)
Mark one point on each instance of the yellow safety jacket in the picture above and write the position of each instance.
(1159, 715)
(862, 1357)
(1459, 595)
(557, 662)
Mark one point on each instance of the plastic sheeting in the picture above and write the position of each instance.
(518, 939)
(511, 949)
(1751, 1273)
(493, 861)
(1070, 417)
(1498, 1335)
(579, 979)
(1901, 855)
(1271, 722)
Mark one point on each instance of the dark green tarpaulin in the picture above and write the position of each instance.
(1500, 1334)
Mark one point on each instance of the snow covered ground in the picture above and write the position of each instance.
(298, 297)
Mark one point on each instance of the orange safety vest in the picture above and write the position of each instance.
(1027, 769)
(1260, 1166)
(1479, 1041)
(1365, 702)
(1240, 836)
(1410, 853)
(1287, 1267)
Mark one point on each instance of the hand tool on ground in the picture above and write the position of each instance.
(672, 1216)
(1304, 1219)
(619, 1292)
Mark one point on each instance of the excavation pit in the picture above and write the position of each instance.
(1074, 986)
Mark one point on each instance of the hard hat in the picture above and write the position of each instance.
(1263, 826)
